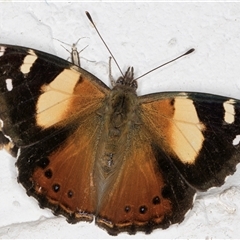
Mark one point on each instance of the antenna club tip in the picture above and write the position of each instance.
(89, 16)
(190, 51)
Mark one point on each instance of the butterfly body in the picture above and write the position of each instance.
(119, 118)
(132, 162)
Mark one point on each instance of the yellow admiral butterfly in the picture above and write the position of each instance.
(85, 151)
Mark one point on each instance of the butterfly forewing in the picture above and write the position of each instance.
(197, 131)
(42, 92)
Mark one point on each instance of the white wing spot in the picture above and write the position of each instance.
(236, 140)
(2, 50)
(9, 84)
(229, 116)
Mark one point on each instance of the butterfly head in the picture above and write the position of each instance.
(127, 80)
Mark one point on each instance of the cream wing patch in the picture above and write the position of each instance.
(56, 98)
(186, 130)
(28, 62)
(229, 115)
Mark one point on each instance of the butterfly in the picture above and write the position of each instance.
(132, 163)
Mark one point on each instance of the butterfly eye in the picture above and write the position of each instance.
(134, 84)
(120, 81)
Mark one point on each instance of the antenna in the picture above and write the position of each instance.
(186, 53)
(90, 19)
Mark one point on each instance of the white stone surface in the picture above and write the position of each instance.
(143, 35)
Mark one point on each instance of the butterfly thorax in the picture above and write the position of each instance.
(121, 106)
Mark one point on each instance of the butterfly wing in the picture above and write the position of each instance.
(79, 162)
(147, 193)
(198, 131)
(182, 142)
(38, 90)
(49, 110)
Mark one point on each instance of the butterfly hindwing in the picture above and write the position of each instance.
(61, 166)
(149, 191)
